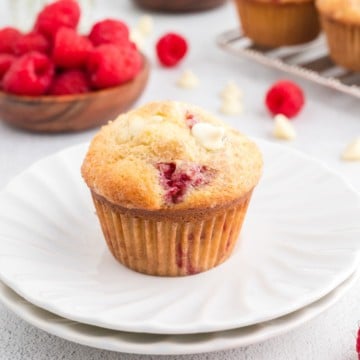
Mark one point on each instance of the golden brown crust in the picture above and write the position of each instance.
(121, 163)
(345, 11)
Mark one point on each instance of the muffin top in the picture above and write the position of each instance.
(170, 155)
(347, 11)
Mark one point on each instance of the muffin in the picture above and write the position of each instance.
(340, 20)
(171, 185)
(278, 23)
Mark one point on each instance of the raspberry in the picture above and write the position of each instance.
(358, 343)
(8, 36)
(70, 49)
(171, 48)
(61, 13)
(110, 65)
(286, 98)
(109, 31)
(32, 41)
(6, 61)
(70, 82)
(31, 74)
(178, 179)
(190, 120)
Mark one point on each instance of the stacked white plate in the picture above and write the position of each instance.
(299, 252)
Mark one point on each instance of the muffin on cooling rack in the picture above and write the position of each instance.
(171, 185)
(340, 20)
(279, 23)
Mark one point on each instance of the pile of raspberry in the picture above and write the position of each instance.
(54, 59)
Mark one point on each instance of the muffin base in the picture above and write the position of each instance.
(343, 42)
(278, 24)
(171, 243)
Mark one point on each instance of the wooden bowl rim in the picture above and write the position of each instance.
(76, 97)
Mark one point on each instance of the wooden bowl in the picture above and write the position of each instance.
(72, 112)
(179, 5)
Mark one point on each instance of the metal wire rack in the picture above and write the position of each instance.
(310, 61)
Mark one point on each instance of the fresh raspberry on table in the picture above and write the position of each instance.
(32, 41)
(108, 65)
(358, 343)
(31, 74)
(61, 13)
(171, 48)
(8, 37)
(6, 61)
(286, 98)
(70, 82)
(70, 49)
(109, 31)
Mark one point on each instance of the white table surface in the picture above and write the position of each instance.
(329, 121)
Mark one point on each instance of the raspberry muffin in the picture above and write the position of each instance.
(278, 23)
(171, 185)
(340, 20)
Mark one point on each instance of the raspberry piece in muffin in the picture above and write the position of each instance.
(177, 180)
(190, 120)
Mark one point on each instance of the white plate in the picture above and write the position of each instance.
(166, 344)
(300, 241)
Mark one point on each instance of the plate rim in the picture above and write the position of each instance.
(60, 327)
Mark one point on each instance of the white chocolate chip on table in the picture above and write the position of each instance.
(352, 151)
(231, 107)
(231, 99)
(145, 25)
(188, 80)
(231, 91)
(283, 129)
(137, 37)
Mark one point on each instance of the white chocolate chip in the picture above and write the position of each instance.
(145, 25)
(231, 107)
(211, 137)
(137, 37)
(283, 129)
(352, 151)
(136, 126)
(231, 92)
(188, 80)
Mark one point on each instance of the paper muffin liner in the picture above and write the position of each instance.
(343, 42)
(275, 24)
(181, 244)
